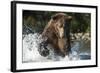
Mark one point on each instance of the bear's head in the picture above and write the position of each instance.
(60, 22)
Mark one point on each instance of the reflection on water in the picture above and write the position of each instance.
(80, 50)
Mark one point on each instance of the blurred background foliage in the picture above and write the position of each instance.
(35, 21)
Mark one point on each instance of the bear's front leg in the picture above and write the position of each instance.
(43, 50)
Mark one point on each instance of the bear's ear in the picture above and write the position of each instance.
(55, 17)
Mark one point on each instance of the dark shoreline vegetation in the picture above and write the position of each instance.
(37, 20)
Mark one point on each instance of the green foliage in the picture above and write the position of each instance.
(37, 20)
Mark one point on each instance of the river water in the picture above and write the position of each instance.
(80, 50)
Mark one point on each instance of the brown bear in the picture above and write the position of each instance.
(57, 32)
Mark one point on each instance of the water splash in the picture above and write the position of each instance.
(31, 54)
